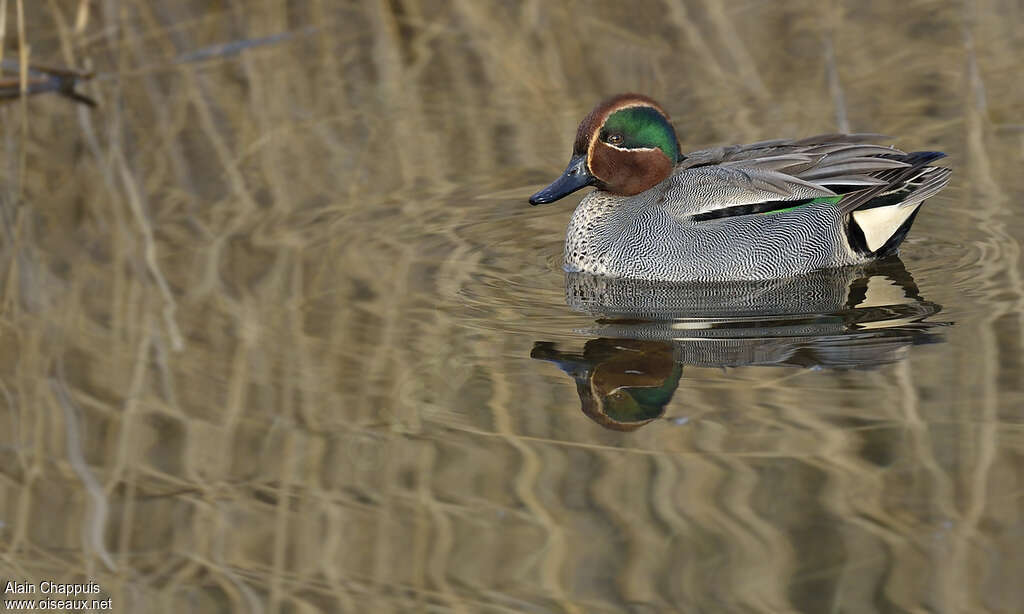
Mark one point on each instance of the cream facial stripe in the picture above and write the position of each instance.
(604, 118)
(630, 149)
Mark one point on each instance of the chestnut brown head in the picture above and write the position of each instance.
(625, 146)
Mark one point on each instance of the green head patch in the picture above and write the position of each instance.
(640, 127)
(628, 404)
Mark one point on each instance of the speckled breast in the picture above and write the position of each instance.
(591, 235)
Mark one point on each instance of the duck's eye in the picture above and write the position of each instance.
(615, 139)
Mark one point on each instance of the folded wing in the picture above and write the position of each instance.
(775, 175)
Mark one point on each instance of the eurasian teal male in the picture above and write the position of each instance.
(761, 211)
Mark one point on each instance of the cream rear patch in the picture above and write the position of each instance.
(880, 223)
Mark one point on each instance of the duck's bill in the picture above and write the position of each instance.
(575, 177)
(574, 365)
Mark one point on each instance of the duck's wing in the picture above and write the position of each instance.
(774, 175)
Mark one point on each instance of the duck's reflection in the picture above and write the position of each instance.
(856, 317)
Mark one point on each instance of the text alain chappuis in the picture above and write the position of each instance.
(49, 595)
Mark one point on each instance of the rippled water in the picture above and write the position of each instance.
(281, 333)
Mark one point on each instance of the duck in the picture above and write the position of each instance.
(766, 210)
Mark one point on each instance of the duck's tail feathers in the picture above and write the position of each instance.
(881, 216)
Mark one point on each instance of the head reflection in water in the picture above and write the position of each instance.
(623, 383)
(853, 318)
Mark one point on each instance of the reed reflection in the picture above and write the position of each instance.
(645, 332)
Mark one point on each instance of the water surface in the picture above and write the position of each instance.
(281, 333)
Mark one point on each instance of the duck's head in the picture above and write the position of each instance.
(624, 146)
